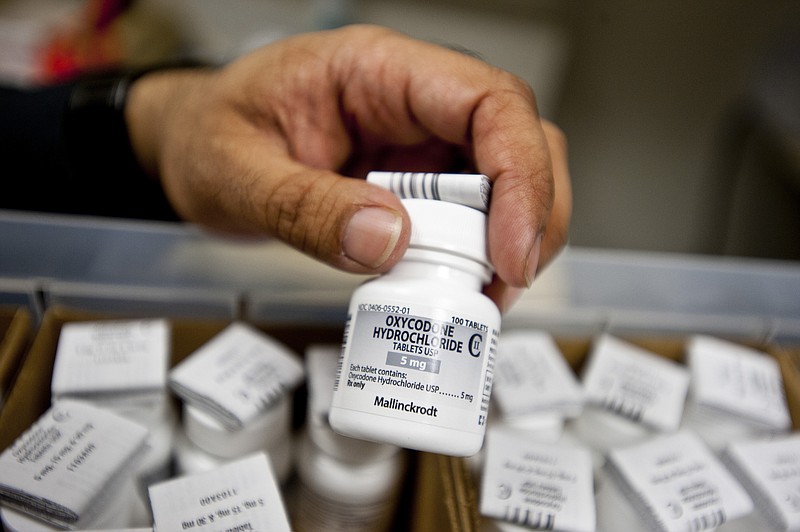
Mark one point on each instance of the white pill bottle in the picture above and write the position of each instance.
(419, 343)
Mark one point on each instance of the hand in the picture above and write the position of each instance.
(262, 146)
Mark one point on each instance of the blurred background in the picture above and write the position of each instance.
(683, 118)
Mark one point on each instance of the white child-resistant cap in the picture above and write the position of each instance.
(448, 227)
(347, 449)
(472, 190)
(209, 434)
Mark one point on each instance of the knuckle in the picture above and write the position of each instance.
(299, 213)
(556, 137)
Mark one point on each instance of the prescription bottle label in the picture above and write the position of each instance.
(433, 370)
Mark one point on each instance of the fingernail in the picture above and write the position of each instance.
(533, 260)
(371, 235)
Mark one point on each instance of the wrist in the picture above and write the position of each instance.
(95, 129)
(101, 159)
(152, 100)
(115, 117)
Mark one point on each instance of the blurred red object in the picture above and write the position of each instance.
(90, 42)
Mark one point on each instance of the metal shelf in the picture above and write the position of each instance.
(132, 266)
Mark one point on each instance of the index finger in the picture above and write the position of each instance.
(464, 101)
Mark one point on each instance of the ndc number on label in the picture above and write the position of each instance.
(378, 307)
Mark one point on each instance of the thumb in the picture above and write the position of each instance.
(346, 222)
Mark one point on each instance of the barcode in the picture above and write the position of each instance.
(708, 521)
(340, 365)
(415, 185)
(530, 519)
(488, 378)
(632, 411)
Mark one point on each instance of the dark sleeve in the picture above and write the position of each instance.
(53, 159)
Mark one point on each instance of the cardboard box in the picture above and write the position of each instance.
(789, 359)
(30, 398)
(30, 395)
(439, 492)
(443, 480)
(15, 334)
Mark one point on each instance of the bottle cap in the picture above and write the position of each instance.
(344, 448)
(449, 227)
(472, 190)
(367, 486)
(156, 462)
(191, 459)
(209, 434)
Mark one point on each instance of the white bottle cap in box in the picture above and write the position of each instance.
(190, 459)
(321, 363)
(209, 434)
(346, 449)
(156, 461)
(357, 483)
